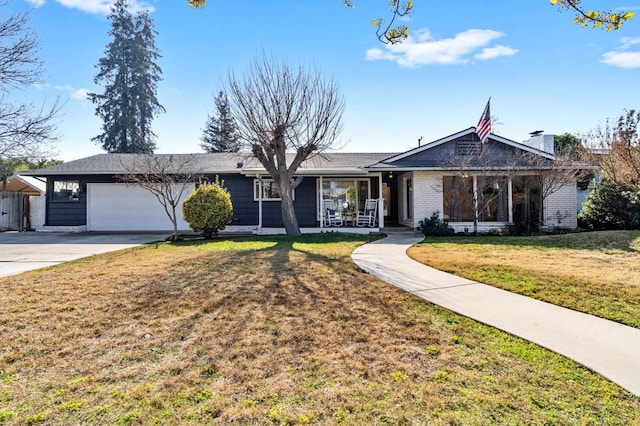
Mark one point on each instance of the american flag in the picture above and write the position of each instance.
(483, 128)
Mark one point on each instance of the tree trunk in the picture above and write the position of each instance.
(288, 213)
(174, 220)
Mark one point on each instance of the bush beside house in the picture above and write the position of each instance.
(611, 207)
(434, 226)
(208, 209)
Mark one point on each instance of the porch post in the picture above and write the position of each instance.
(321, 203)
(510, 193)
(259, 202)
(475, 201)
(380, 202)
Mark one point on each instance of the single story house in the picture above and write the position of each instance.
(448, 176)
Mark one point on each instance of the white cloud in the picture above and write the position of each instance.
(422, 49)
(79, 95)
(36, 3)
(74, 93)
(495, 52)
(100, 6)
(621, 57)
(627, 42)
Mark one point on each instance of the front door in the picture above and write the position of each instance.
(390, 196)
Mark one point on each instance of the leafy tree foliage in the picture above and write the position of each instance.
(568, 145)
(281, 110)
(611, 207)
(596, 18)
(220, 133)
(387, 32)
(385, 29)
(130, 75)
(12, 165)
(27, 132)
(208, 209)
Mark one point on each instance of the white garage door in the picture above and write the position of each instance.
(121, 207)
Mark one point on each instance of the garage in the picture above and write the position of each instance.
(122, 207)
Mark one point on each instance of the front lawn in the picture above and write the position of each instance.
(593, 272)
(268, 331)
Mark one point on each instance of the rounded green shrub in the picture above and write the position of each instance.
(434, 226)
(611, 207)
(208, 209)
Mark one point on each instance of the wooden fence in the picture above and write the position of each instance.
(11, 211)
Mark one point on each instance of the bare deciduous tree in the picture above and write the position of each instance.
(167, 177)
(26, 132)
(616, 149)
(555, 174)
(482, 161)
(279, 110)
(487, 162)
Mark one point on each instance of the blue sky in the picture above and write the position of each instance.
(541, 71)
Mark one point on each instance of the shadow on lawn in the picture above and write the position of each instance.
(240, 282)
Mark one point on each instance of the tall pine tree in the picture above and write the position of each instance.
(220, 133)
(130, 76)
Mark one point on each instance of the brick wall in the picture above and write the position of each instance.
(427, 195)
(37, 208)
(560, 208)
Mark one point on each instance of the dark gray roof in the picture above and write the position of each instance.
(436, 155)
(428, 156)
(113, 164)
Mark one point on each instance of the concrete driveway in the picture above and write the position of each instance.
(25, 251)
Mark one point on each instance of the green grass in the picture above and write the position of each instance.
(264, 331)
(597, 272)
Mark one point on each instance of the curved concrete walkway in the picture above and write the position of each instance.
(606, 347)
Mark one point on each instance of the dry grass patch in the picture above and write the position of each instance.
(267, 331)
(597, 273)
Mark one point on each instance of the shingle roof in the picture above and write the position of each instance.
(113, 164)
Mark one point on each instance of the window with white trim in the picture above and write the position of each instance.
(347, 195)
(270, 191)
(66, 190)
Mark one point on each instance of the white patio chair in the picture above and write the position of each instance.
(331, 217)
(369, 215)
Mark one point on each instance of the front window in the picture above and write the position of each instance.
(493, 199)
(458, 198)
(347, 195)
(270, 191)
(527, 199)
(66, 190)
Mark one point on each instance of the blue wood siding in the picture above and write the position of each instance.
(70, 213)
(499, 155)
(245, 208)
(241, 190)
